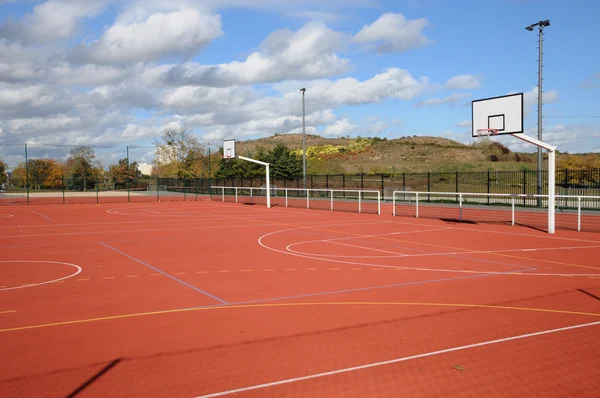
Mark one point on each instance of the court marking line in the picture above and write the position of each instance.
(264, 224)
(8, 312)
(300, 304)
(164, 273)
(512, 273)
(41, 215)
(395, 254)
(6, 216)
(58, 280)
(396, 360)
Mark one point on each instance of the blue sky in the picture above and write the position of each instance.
(108, 72)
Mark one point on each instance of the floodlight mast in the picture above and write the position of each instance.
(303, 91)
(541, 25)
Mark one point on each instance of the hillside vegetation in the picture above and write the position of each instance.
(407, 154)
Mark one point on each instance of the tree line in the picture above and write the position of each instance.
(81, 171)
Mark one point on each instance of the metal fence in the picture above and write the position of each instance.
(568, 182)
(350, 200)
(577, 213)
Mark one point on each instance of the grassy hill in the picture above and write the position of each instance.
(408, 154)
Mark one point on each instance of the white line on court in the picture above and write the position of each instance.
(261, 225)
(77, 267)
(472, 272)
(41, 215)
(336, 241)
(393, 254)
(6, 215)
(396, 360)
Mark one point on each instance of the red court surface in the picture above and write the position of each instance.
(207, 299)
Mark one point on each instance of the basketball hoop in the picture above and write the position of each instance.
(487, 132)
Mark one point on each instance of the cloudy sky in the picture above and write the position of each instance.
(116, 72)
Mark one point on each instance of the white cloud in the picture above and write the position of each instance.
(530, 98)
(339, 128)
(394, 83)
(178, 33)
(463, 82)
(449, 100)
(25, 95)
(465, 123)
(392, 32)
(592, 82)
(51, 20)
(308, 53)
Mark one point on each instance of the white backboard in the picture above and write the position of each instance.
(503, 113)
(229, 149)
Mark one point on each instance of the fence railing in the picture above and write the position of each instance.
(353, 200)
(579, 213)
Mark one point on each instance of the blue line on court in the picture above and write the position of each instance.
(164, 273)
(359, 289)
(41, 215)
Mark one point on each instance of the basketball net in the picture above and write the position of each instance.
(487, 132)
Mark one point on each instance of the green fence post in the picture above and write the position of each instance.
(97, 198)
(128, 178)
(157, 189)
(26, 174)
(488, 187)
(63, 188)
(428, 185)
(457, 181)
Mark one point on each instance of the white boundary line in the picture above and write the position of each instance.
(336, 241)
(6, 215)
(263, 225)
(364, 264)
(41, 283)
(396, 360)
(393, 254)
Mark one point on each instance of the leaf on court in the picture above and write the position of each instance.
(458, 367)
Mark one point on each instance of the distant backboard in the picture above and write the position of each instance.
(504, 114)
(229, 149)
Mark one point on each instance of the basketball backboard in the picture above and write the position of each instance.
(504, 114)
(229, 149)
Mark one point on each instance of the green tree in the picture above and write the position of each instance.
(284, 165)
(3, 172)
(44, 173)
(82, 169)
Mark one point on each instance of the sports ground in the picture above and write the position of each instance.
(207, 298)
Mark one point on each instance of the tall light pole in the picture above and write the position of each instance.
(303, 90)
(541, 25)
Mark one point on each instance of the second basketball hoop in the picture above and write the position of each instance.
(229, 149)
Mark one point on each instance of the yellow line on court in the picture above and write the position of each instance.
(490, 253)
(178, 273)
(131, 276)
(108, 277)
(275, 305)
(246, 270)
(290, 269)
(202, 272)
(155, 274)
(83, 279)
(312, 269)
(8, 311)
(268, 270)
(224, 270)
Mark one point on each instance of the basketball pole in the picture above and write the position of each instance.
(551, 177)
(540, 25)
(268, 176)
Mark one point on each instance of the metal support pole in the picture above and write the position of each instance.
(303, 90)
(127, 176)
(551, 189)
(27, 173)
(539, 132)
